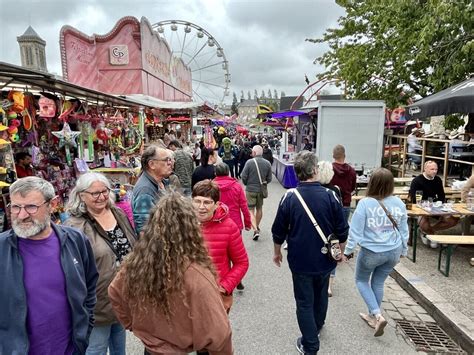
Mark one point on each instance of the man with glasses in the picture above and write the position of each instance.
(48, 277)
(157, 166)
(431, 186)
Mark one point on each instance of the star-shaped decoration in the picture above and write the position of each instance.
(67, 137)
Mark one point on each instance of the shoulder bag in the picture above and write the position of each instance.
(263, 185)
(389, 215)
(331, 244)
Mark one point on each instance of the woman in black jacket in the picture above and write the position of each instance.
(206, 170)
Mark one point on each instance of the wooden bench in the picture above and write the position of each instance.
(447, 243)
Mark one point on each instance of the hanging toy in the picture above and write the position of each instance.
(67, 139)
(134, 138)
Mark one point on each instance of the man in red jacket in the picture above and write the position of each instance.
(222, 237)
(344, 177)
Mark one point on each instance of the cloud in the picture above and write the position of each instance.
(263, 40)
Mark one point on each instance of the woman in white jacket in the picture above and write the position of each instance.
(379, 226)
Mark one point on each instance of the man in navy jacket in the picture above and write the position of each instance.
(48, 277)
(310, 267)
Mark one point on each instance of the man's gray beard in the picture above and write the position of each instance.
(35, 229)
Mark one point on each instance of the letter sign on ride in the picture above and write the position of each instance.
(119, 54)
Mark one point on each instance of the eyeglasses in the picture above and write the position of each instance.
(206, 203)
(30, 209)
(167, 159)
(96, 194)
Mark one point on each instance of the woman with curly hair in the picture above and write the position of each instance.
(166, 291)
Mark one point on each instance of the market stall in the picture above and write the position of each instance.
(66, 129)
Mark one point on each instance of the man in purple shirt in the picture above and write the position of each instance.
(48, 277)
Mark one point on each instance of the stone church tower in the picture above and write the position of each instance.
(32, 50)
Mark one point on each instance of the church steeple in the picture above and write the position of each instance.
(32, 50)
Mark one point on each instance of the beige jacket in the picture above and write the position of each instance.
(105, 259)
(202, 325)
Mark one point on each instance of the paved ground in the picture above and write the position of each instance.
(458, 288)
(263, 316)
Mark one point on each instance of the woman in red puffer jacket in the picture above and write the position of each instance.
(233, 195)
(222, 237)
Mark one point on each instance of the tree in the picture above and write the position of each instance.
(234, 109)
(263, 95)
(394, 49)
(269, 94)
(282, 94)
(248, 95)
(255, 95)
(275, 94)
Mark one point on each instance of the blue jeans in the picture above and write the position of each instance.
(347, 212)
(311, 296)
(108, 336)
(230, 163)
(372, 269)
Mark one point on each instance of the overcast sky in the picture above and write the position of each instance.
(263, 40)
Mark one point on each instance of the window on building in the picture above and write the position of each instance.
(29, 56)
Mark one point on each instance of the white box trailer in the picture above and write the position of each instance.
(356, 124)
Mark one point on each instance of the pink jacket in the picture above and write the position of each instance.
(226, 248)
(127, 208)
(233, 195)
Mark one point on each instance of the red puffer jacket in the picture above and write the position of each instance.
(226, 248)
(233, 195)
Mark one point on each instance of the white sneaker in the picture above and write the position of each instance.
(285, 245)
(433, 245)
(424, 239)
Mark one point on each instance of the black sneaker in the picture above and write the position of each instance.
(256, 235)
(299, 345)
(240, 286)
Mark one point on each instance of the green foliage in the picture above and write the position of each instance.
(234, 109)
(394, 49)
(452, 122)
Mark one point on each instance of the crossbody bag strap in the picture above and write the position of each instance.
(389, 215)
(311, 217)
(258, 172)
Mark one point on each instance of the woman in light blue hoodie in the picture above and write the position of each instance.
(379, 226)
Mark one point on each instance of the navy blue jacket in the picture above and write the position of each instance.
(78, 264)
(292, 223)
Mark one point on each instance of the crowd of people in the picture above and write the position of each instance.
(168, 271)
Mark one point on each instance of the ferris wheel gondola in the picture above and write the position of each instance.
(201, 52)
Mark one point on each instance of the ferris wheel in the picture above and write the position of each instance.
(201, 52)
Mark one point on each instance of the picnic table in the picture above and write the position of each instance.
(457, 210)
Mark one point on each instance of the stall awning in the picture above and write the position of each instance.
(286, 114)
(19, 78)
(456, 99)
(180, 119)
(167, 105)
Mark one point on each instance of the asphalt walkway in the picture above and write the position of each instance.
(263, 315)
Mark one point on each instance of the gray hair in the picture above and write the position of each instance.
(148, 155)
(326, 172)
(257, 150)
(75, 206)
(222, 169)
(28, 184)
(306, 163)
